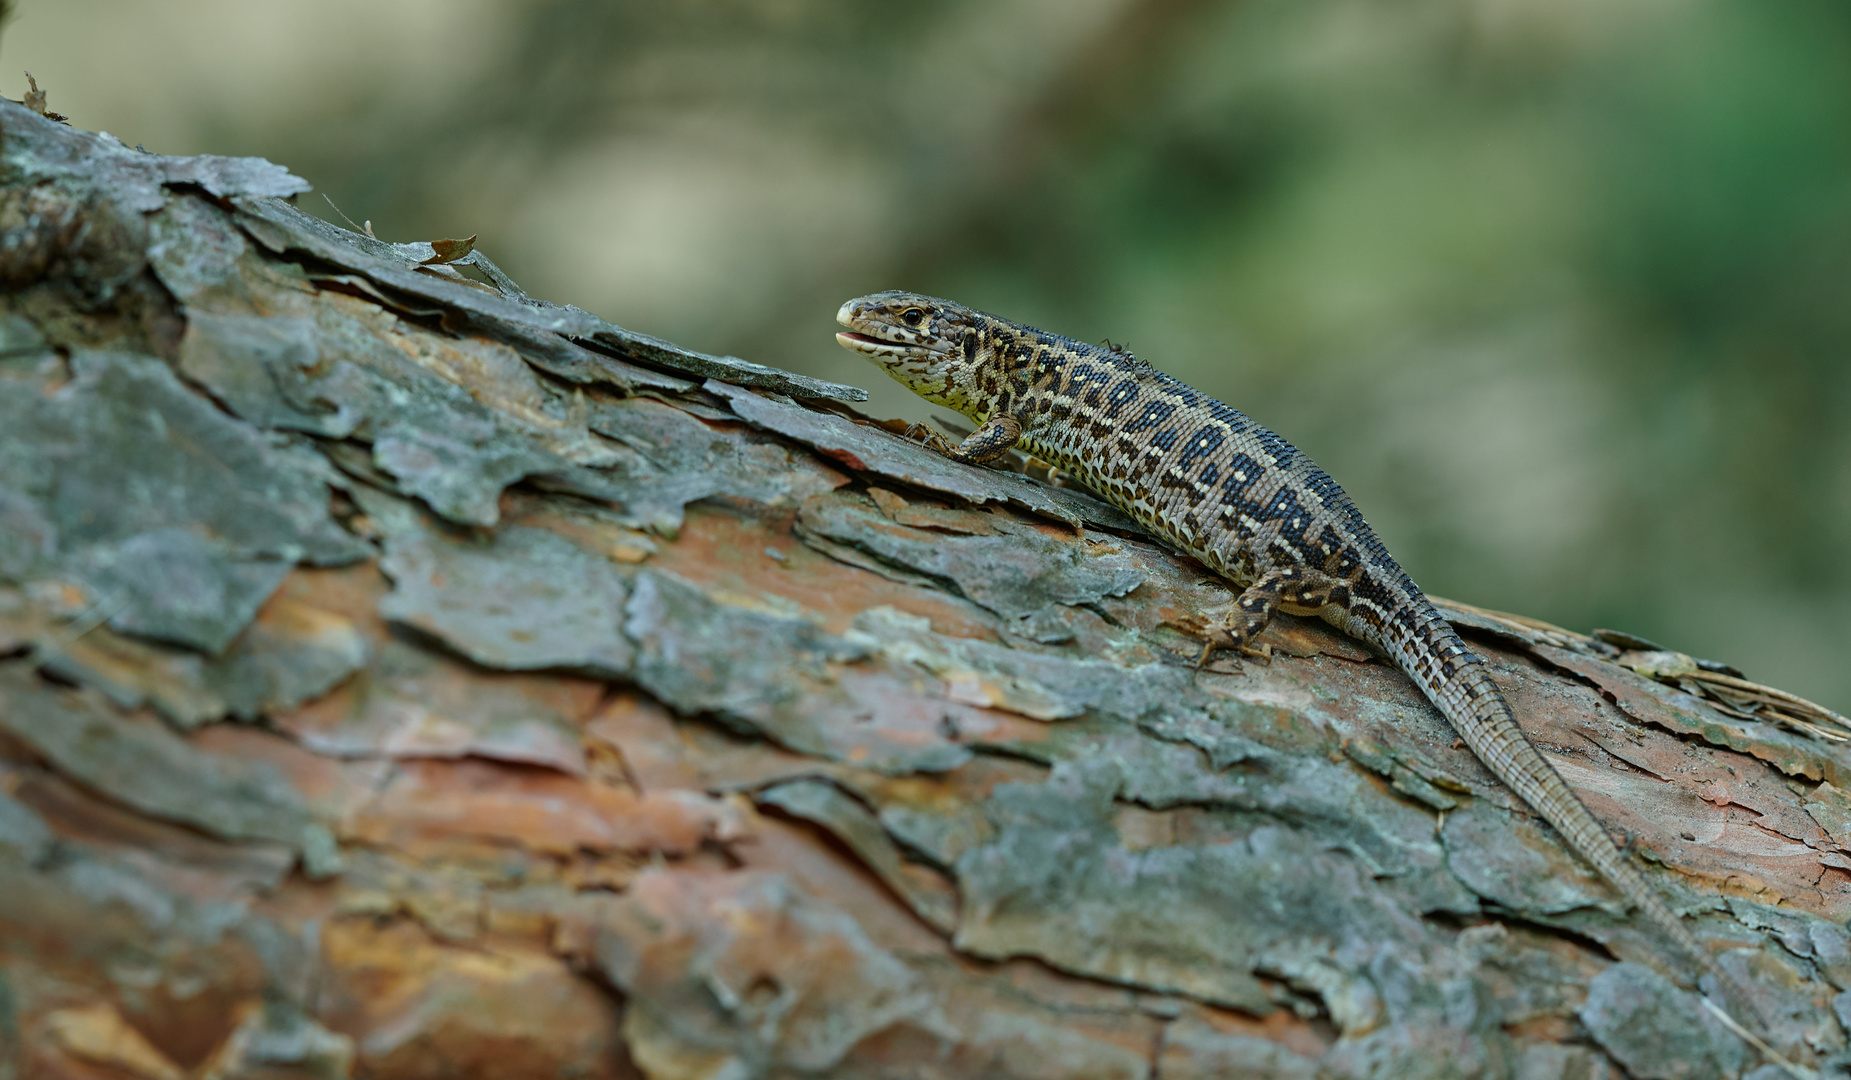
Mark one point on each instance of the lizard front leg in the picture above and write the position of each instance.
(991, 440)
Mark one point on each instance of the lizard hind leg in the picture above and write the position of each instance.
(1252, 610)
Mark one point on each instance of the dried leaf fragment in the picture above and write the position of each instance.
(35, 100)
(1660, 664)
(448, 251)
(1738, 696)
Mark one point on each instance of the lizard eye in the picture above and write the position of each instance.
(912, 316)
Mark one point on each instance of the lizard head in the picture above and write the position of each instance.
(932, 347)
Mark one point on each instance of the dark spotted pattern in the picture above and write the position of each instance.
(1152, 414)
(1240, 498)
(1124, 393)
(1202, 443)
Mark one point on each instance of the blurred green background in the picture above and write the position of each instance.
(1556, 288)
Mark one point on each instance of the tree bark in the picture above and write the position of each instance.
(400, 676)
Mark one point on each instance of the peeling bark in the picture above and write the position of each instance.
(400, 676)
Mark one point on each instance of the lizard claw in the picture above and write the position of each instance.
(932, 440)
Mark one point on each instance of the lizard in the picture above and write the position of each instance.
(1240, 498)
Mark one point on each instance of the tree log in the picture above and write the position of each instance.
(403, 677)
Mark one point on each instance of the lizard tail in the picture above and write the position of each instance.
(1471, 702)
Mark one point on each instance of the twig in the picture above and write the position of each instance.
(8, 9)
(1749, 1037)
(367, 230)
(85, 622)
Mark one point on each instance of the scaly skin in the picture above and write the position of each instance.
(1234, 495)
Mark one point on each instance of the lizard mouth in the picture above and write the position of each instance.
(870, 345)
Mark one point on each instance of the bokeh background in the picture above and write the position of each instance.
(1560, 290)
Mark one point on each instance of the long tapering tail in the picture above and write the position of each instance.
(1469, 699)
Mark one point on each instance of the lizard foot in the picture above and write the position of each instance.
(1220, 636)
(932, 440)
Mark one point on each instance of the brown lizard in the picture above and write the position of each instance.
(1236, 496)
